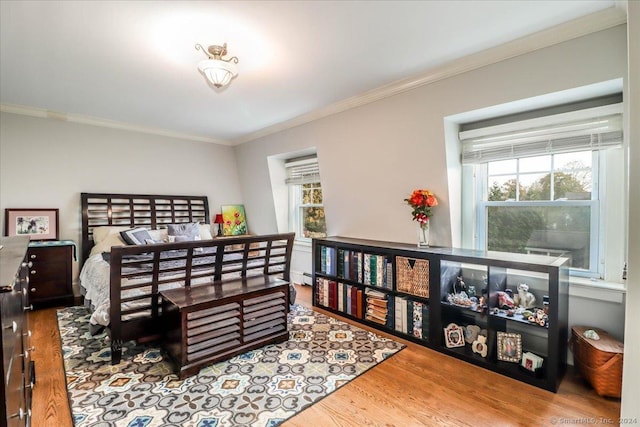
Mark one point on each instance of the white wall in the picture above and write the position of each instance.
(371, 157)
(631, 371)
(47, 163)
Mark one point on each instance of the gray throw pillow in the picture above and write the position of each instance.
(136, 236)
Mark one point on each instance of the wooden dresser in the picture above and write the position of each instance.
(18, 371)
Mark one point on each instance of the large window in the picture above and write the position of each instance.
(542, 205)
(538, 187)
(306, 212)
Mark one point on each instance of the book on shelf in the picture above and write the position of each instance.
(327, 293)
(391, 304)
(376, 319)
(323, 259)
(411, 317)
(320, 291)
(400, 304)
(339, 296)
(327, 260)
(377, 309)
(333, 294)
(372, 293)
(377, 271)
(349, 265)
(366, 265)
(377, 301)
(417, 319)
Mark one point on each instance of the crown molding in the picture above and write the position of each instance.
(96, 121)
(607, 18)
(585, 25)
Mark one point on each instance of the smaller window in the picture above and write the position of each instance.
(306, 211)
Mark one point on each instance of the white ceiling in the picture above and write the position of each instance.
(134, 62)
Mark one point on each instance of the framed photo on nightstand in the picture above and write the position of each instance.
(38, 224)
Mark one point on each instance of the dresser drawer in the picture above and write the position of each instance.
(47, 271)
(46, 289)
(49, 255)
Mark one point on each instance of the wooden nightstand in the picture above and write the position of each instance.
(50, 270)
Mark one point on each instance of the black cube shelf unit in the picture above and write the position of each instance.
(410, 292)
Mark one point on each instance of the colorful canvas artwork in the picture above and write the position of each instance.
(235, 221)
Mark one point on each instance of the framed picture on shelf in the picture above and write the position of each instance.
(38, 224)
(234, 221)
(454, 336)
(509, 347)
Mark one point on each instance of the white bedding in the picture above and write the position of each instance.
(95, 279)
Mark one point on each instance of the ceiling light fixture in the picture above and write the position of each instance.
(217, 70)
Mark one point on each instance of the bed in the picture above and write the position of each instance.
(122, 274)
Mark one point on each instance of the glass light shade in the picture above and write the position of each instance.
(218, 72)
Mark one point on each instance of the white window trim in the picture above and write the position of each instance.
(306, 176)
(611, 221)
(295, 220)
(481, 204)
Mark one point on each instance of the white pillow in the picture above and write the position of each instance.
(205, 232)
(159, 235)
(113, 239)
(101, 233)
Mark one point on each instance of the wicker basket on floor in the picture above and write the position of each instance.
(598, 361)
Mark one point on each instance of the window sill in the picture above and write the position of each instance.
(597, 289)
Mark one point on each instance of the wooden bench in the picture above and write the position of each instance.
(206, 324)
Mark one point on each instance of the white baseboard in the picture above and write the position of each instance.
(300, 278)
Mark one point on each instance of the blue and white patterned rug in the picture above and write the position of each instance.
(260, 388)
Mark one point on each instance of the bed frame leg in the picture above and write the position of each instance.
(116, 351)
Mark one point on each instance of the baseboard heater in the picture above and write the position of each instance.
(307, 278)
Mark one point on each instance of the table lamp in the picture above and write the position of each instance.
(219, 221)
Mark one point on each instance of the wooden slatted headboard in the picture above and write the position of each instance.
(138, 210)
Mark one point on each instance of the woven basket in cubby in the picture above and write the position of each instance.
(412, 276)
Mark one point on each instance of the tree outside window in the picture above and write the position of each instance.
(312, 211)
(542, 205)
(306, 214)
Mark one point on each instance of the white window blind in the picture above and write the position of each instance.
(590, 129)
(303, 170)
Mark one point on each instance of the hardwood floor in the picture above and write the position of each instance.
(50, 407)
(416, 387)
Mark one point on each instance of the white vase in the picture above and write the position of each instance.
(423, 235)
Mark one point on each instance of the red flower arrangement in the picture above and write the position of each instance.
(422, 201)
